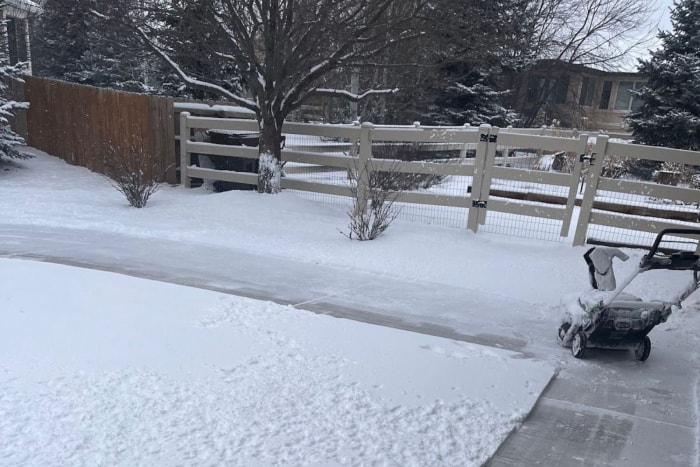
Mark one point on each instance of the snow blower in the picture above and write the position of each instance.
(607, 317)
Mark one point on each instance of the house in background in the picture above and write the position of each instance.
(575, 96)
(15, 16)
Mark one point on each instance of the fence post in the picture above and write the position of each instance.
(477, 178)
(487, 174)
(594, 171)
(184, 153)
(364, 166)
(573, 185)
(465, 146)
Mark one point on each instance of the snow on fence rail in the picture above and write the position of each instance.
(492, 179)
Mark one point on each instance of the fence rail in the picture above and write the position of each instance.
(496, 187)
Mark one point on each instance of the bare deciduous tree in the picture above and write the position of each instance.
(281, 49)
(603, 34)
(597, 33)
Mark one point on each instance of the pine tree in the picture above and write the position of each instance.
(74, 44)
(669, 114)
(475, 104)
(9, 140)
(61, 39)
(476, 41)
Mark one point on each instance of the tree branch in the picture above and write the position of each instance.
(351, 96)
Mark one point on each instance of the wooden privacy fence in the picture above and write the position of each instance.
(496, 188)
(82, 124)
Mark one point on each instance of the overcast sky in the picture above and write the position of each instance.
(664, 13)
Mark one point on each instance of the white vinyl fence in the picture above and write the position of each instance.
(500, 180)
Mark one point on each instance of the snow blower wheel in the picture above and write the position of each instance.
(578, 345)
(642, 351)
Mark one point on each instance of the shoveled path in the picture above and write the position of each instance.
(607, 410)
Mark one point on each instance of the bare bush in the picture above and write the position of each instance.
(695, 182)
(614, 166)
(373, 207)
(673, 173)
(564, 162)
(134, 173)
(408, 152)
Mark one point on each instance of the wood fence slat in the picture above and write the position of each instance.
(82, 124)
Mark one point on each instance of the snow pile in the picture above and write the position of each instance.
(108, 369)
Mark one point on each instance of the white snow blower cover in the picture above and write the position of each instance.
(600, 270)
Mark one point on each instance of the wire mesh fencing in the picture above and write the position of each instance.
(646, 195)
(519, 177)
(403, 181)
(515, 184)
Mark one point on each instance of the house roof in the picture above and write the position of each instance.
(549, 64)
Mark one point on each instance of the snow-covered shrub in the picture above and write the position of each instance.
(695, 182)
(673, 173)
(643, 169)
(269, 174)
(9, 140)
(614, 166)
(373, 207)
(134, 173)
(408, 152)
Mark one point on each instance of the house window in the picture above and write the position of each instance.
(535, 84)
(561, 88)
(16, 40)
(586, 96)
(555, 91)
(605, 95)
(625, 100)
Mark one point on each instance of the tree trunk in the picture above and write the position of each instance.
(270, 137)
(270, 146)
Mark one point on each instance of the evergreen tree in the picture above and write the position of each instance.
(74, 44)
(61, 39)
(476, 104)
(476, 41)
(669, 114)
(9, 140)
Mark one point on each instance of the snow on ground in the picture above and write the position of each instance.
(103, 369)
(281, 226)
(106, 369)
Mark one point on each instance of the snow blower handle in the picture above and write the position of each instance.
(681, 260)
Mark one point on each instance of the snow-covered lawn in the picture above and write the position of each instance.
(102, 369)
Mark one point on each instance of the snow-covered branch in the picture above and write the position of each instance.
(191, 81)
(352, 96)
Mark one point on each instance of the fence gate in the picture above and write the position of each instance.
(518, 197)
